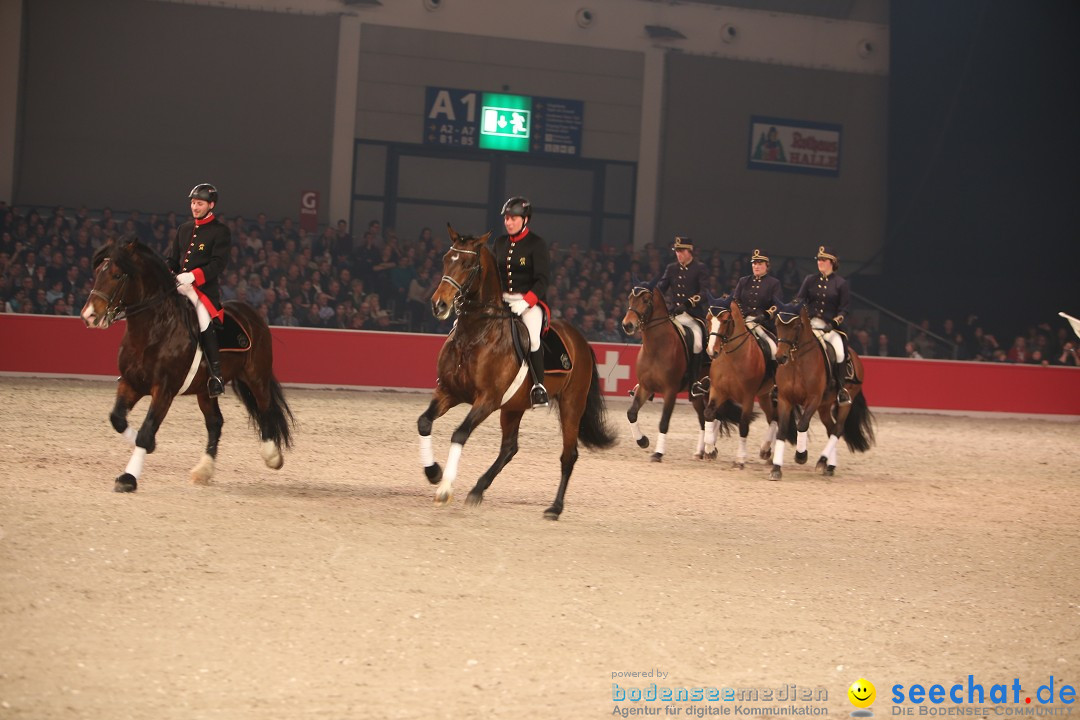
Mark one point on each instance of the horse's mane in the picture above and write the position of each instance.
(136, 259)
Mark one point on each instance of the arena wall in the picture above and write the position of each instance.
(61, 347)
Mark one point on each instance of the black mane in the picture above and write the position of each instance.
(136, 259)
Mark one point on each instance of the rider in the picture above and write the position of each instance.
(523, 261)
(683, 285)
(755, 294)
(198, 257)
(826, 296)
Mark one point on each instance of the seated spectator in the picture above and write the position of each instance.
(912, 351)
(287, 316)
(1068, 355)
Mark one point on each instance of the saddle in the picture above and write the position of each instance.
(830, 361)
(556, 358)
(687, 337)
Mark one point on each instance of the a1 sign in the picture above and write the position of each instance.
(450, 117)
(309, 210)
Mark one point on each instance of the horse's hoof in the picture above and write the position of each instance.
(125, 483)
(739, 465)
(643, 442)
(552, 513)
(657, 457)
(433, 473)
(801, 457)
(474, 498)
(829, 471)
(442, 498)
(776, 473)
(765, 453)
(821, 463)
(712, 455)
(699, 456)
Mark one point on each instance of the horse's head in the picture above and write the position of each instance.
(124, 273)
(462, 271)
(719, 322)
(790, 332)
(640, 306)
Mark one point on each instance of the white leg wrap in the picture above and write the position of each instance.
(774, 430)
(271, 455)
(710, 436)
(129, 435)
(740, 454)
(661, 440)
(427, 456)
(452, 460)
(203, 470)
(800, 441)
(830, 450)
(700, 442)
(778, 452)
(135, 464)
(635, 431)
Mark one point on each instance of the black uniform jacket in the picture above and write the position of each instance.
(825, 297)
(684, 288)
(202, 248)
(523, 265)
(756, 295)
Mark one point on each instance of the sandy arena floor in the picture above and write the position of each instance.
(335, 589)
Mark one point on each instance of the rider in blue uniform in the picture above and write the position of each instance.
(826, 296)
(684, 285)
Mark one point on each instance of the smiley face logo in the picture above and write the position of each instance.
(862, 693)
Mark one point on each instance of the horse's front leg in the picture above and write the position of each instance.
(204, 469)
(145, 439)
(640, 395)
(665, 421)
(802, 428)
(480, 410)
(126, 397)
(769, 410)
(440, 403)
(699, 408)
(784, 414)
(511, 423)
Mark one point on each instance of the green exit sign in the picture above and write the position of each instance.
(505, 122)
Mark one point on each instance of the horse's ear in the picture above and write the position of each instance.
(454, 237)
(484, 238)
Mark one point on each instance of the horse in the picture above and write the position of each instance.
(802, 380)
(478, 365)
(739, 374)
(661, 366)
(160, 357)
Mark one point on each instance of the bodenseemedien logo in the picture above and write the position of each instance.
(862, 695)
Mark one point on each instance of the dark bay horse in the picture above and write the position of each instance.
(661, 366)
(739, 374)
(478, 365)
(160, 357)
(802, 381)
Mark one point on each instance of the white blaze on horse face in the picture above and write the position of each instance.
(88, 315)
(714, 328)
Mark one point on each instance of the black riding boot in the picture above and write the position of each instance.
(539, 394)
(842, 396)
(209, 341)
(699, 386)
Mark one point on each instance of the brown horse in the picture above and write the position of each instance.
(739, 374)
(661, 366)
(802, 381)
(160, 357)
(478, 365)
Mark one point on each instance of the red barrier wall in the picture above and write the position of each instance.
(43, 345)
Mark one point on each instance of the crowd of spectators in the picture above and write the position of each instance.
(376, 280)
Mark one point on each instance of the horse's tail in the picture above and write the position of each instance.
(593, 430)
(277, 421)
(730, 414)
(859, 425)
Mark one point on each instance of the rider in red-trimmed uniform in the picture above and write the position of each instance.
(198, 257)
(523, 262)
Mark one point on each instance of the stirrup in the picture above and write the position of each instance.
(539, 395)
(699, 388)
(214, 386)
(633, 390)
(842, 396)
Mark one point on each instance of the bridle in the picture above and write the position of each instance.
(793, 342)
(115, 308)
(462, 288)
(725, 339)
(644, 318)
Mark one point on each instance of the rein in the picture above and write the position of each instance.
(115, 308)
(724, 339)
(645, 320)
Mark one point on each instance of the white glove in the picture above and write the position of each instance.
(518, 307)
(185, 278)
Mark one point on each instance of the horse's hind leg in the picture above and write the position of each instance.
(769, 410)
(511, 423)
(640, 394)
(699, 408)
(665, 422)
(827, 461)
(204, 469)
(571, 421)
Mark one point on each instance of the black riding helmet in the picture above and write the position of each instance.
(519, 207)
(205, 192)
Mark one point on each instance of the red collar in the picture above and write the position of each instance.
(208, 218)
(519, 236)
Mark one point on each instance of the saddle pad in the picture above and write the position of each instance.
(232, 336)
(556, 358)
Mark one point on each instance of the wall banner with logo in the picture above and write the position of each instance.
(794, 146)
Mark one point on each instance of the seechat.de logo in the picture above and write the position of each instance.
(862, 695)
